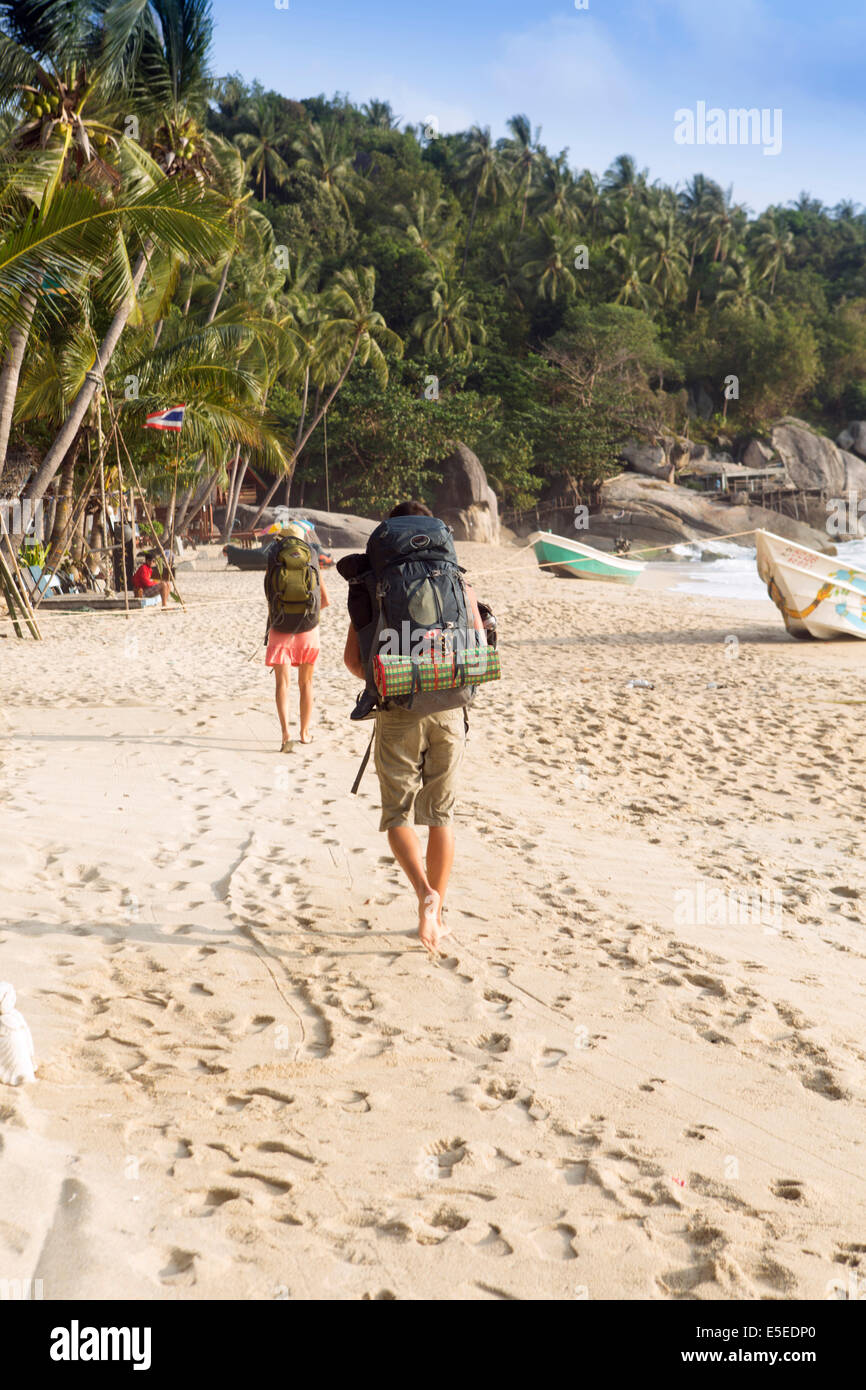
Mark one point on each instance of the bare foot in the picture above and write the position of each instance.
(286, 745)
(306, 738)
(429, 929)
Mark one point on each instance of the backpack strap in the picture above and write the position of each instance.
(364, 761)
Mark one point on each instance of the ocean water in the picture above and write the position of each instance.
(735, 575)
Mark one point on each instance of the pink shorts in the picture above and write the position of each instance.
(292, 648)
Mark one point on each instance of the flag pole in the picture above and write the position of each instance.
(174, 502)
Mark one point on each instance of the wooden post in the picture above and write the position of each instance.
(23, 597)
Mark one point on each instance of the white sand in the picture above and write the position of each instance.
(254, 1084)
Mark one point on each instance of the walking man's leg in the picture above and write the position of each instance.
(406, 848)
(440, 859)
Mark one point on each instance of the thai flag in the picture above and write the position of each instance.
(171, 419)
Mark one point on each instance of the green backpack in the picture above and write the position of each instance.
(292, 586)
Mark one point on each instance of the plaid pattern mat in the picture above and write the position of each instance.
(394, 674)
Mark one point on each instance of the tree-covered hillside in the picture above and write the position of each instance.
(384, 287)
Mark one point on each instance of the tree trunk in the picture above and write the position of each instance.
(220, 291)
(471, 225)
(53, 459)
(230, 492)
(12, 371)
(230, 513)
(317, 416)
(65, 499)
(205, 499)
(187, 496)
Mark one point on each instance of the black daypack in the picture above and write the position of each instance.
(412, 584)
(293, 586)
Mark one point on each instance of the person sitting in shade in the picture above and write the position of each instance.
(144, 584)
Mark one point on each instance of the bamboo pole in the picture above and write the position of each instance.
(82, 502)
(24, 602)
(8, 594)
(175, 591)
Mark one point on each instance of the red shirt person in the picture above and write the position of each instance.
(143, 583)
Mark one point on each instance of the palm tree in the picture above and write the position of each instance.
(720, 231)
(262, 147)
(736, 288)
(448, 327)
(322, 153)
(666, 258)
(51, 68)
(557, 193)
(624, 180)
(381, 114)
(71, 239)
(429, 225)
(351, 330)
(773, 244)
(633, 288)
(525, 157)
(549, 270)
(589, 198)
(481, 166)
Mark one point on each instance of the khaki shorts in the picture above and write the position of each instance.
(417, 760)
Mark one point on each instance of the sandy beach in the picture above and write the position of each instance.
(254, 1084)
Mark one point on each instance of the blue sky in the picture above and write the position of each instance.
(602, 81)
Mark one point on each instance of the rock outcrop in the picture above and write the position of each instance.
(651, 512)
(465, 499)
(853, 438)
(338, 529)
(649, 459)
(813, 461)
(756, 454)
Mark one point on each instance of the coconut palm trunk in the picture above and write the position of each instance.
(302, 442)
(207, 494)
(11, 371)
(186, 497)
(64, 508)
(220, 291)
(471, 225)
(39, 483)
(231, 511)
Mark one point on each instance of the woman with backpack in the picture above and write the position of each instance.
(296, 595)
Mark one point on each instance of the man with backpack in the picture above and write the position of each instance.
(296, 596)
(407, 592)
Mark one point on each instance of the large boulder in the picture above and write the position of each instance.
(756, 454)
(338, 529)
(650, 459)
(853, 438)
(815, 462)
(650, 512)
(464, 498)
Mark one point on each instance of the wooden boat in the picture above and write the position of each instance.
(565, 556)
(816, 596)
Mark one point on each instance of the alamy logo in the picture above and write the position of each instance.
(707, 905)
(76, 1343)
(18, 1290)
(418, 642)
(736, 126)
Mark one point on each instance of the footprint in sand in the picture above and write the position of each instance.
(555, 1242)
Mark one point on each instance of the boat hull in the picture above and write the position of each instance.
(565, 556)
(816, 596)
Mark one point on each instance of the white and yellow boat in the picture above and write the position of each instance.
(816, 596)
